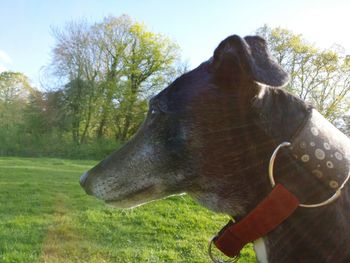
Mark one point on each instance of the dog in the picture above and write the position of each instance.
(210, 134)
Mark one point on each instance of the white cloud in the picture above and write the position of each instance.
(5, 58)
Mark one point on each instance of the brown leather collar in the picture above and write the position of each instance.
(269, 213)
(321, 149)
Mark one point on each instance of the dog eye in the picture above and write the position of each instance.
(157, 107)
(154, 111)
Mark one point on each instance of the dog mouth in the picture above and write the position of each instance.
(133, 198)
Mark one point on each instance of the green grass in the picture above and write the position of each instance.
(46, 217)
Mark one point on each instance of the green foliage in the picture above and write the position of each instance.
(321, 77)
(112, 68)
(14, 87)
(14, 93)
(33, 123)
(55, 145)
(106, 73)
(46, 217)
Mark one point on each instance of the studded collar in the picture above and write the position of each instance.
(321, 149)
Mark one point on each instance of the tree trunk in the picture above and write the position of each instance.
(101, 126)
(128, 118)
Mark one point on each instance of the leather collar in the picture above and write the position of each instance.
(320, 148)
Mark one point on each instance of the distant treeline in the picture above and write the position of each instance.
(101, 76)
(97, 88)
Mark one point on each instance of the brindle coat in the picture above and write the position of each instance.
(211, 134)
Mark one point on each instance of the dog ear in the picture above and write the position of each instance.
(236, 59)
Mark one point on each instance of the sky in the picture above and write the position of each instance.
(197, 26)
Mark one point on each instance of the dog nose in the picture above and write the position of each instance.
(83, 179)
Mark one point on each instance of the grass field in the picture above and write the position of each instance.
(46, 217)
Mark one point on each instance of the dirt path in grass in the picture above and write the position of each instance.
(61, 243)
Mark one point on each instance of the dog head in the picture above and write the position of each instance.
(200, 135)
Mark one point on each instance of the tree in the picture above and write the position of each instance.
(147, 60)
(110, 69)
(136, 63)
(76, 59)
(14, 94)
(45, 112)
(320, 77)
(14, 86)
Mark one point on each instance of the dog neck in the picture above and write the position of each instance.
(320, 235)
(309, 235)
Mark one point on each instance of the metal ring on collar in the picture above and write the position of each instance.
(215, 260)
(272, 180)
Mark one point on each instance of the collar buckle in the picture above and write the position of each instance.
(216, 260)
